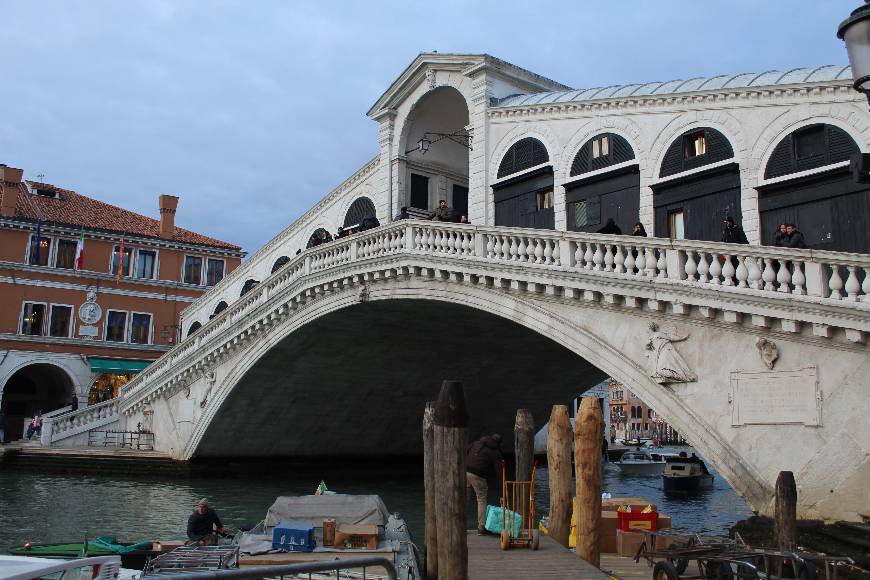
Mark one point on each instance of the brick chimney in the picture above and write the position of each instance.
(168, 205)
(9, 194)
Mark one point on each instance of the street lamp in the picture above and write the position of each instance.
(855, 31)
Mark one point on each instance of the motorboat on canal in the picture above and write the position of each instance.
(641, 463)
(684, 475)
(393, 538)
(133, 555)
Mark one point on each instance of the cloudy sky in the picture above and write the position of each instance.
(252, 110)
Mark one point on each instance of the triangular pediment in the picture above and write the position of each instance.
(468, 64)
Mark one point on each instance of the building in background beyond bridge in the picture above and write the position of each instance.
(71, 324)
(631, 418)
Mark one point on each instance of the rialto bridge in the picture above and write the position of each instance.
(757, 354)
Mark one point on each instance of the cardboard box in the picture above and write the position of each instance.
(360, 537)
(664, 522)
(627, 543)
(637, 504)
(609, 525)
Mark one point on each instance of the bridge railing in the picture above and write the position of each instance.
(775, 272)
(79, 421)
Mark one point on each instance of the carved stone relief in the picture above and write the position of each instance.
(666, 364)
(768, 351)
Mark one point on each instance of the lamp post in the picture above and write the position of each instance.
(855, 31)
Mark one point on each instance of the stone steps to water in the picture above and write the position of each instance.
(90, 460)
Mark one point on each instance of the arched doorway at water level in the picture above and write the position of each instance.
(36, 388)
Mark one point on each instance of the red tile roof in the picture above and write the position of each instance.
(77, 210)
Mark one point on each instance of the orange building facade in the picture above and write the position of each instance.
(89, 293)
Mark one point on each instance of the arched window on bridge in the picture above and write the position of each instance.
(314, 238)
(193, 328)
(694, 206)
(524, 198)
(249, 285)
(361, 208)
(593, 196)
(221, 306)
(279, 263)
(827, 205)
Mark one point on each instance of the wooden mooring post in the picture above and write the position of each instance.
(588, 433)
(524, 450)
(451, 437)
(559, 467)
(429, 485)
(785, 512)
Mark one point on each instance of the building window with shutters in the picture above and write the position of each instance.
(66, 254)
(38, 251)
(60, 323)
(809, 142)
(127, 260)
(116, 326)
(694, 144)
(33, 318)
(140, 328)
(676, 225)
(545, 199)
(146, 261)
(214, 271)
(192, 270)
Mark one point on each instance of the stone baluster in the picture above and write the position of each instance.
(578, 255)
(557, 253)
(619, 260)
(548, 252)
(650, 257)
(505, 248)
(490, 246)
(852, 286)
(662, 264)
(640, 261)
(835, 283)
(629, 260)
(716, 269)
(597, 258)
(742, 272)
(514, 254)
(539, 251)
(587, 257)
(728, 271)
(754, 273)
(768, 276)
(691, 267)
(523, 250)
(608, 258)
(418, 239)
(785, 278)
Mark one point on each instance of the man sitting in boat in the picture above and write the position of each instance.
(204, 525)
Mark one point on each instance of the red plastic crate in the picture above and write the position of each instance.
(638, 521)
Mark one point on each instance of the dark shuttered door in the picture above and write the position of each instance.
(516, 201)
(590, 203)
(704, 198)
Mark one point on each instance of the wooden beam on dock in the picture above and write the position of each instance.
(430, 485)
(559, 439)
(588, 434)
(487, 562)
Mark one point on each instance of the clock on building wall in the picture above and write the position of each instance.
(90, 312)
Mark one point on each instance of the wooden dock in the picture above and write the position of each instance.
(486, 560)
(625, 568)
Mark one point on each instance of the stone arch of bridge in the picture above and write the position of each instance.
(601, 351)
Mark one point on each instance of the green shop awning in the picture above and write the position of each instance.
(117, 366)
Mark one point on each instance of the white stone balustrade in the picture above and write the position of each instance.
(757, 270)
(80, 421)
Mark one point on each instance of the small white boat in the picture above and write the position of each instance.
(97, 568)
(641, 463)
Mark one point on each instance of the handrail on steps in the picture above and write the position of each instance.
(279, 570)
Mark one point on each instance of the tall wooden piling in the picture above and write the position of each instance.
(451, 437)
(588, 433)
(429, 486)
(524, 449)
(559, 438)
(785, 512)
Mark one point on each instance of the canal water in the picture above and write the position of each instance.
(40, 508)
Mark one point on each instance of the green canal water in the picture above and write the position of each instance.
(49, 507)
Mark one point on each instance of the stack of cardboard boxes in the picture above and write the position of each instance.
(626, 543)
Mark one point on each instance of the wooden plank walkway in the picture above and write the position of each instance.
(625, 568)
(486, 560)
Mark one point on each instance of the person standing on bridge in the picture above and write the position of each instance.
(482, 461)
(442, 213)
(204, 525)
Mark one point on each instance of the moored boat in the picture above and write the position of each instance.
(641, 463)
(686, 475)
(307, 514)
(133, 555)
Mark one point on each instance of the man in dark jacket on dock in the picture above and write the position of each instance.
(482, 461)
(204, 525)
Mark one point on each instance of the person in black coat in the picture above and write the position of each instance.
(795, 237)
(638, 230)
(610, 228)
(780, 238)
(482, 462)
(203, 525)
(732, 233)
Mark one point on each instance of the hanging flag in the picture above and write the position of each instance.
(38, 243)
(80, 251)
(120, 261)
(321, 488)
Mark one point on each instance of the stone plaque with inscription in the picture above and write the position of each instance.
(776, 397)
(88, 330)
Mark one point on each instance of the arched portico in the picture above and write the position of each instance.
(34, 388)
